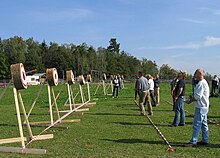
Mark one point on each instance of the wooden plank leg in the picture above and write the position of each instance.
(18, 139)
(22, 150)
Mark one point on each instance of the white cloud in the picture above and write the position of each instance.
(212, 41)
(184, 46)
(192, 21)
(208, 42)
(68, 14)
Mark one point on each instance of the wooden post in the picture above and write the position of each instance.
(88, 88)
(55, 102)
(50, 106)
(19, 117)
(97, 89)
(25, 116)
(103, 82)
(111, 85)
(69, 96)
(81, 91)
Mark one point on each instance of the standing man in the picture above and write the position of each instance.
(201, 102)
(157, 89)
(142, 87)
(179, 97)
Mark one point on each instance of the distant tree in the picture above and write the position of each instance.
(149, 67)
(32, 55)
(15, 49)
(166, 72)
(113, 47)
(4, 67)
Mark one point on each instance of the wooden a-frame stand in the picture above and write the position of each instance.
(22, 139)
(105, 86)
(51, 90)
(83, 100)
(71, 100)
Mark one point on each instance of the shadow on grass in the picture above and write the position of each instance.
(174, 144)
(213, 116)
(179, 144)
(133, 141)
(131, 123)
(113, 114)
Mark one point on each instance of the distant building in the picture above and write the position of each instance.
(36, 79)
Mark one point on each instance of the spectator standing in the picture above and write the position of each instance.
(215, 82)
(172, 87)
(115, 88)
(143, 91)
(151, 89)
(201, 103)
(136, 88)
(179, 97)
(157, 89)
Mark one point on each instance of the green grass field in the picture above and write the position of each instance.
(111, 128)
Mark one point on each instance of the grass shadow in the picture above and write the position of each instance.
(113, 114)
(133, 141)
(130, 123)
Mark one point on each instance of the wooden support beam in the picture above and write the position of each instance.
(73, 120)
(18, 139)
(78, 113)
(22, 150)
(87, 105)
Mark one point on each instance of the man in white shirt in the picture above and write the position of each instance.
(201, 102)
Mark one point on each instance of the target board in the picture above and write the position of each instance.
(70, 77)
(81, 80)
(88, 78)
(19, 76)
(52, 76)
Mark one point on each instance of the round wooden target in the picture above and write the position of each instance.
(81, 80)
(52, 76)
(70, 77)
(19, 76)
(88, 78)
(104, 77)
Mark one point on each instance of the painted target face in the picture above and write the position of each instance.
(19, 76)
(81, 80)
(70, 77)
(23, 76)
(104, 77)
(55, 77)
(52, 76)
(88, 78)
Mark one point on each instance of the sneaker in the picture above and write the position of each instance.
(190, 145)
(180, 124)
(172, 125)
(202, 143)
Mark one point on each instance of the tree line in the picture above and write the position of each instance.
(82, 59)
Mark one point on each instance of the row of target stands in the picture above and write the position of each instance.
(19, 81)
(106, 85)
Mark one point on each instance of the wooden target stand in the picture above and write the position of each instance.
(52, 78)
(71, 98)
(19, 79)
(106, 86)
(87, 103)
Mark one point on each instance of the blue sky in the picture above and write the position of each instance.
(184, 34)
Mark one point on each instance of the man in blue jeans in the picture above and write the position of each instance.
(201, 102)
(179, 96)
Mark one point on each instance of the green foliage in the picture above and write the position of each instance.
(82, 59)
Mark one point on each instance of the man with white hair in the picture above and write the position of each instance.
(201, 102)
